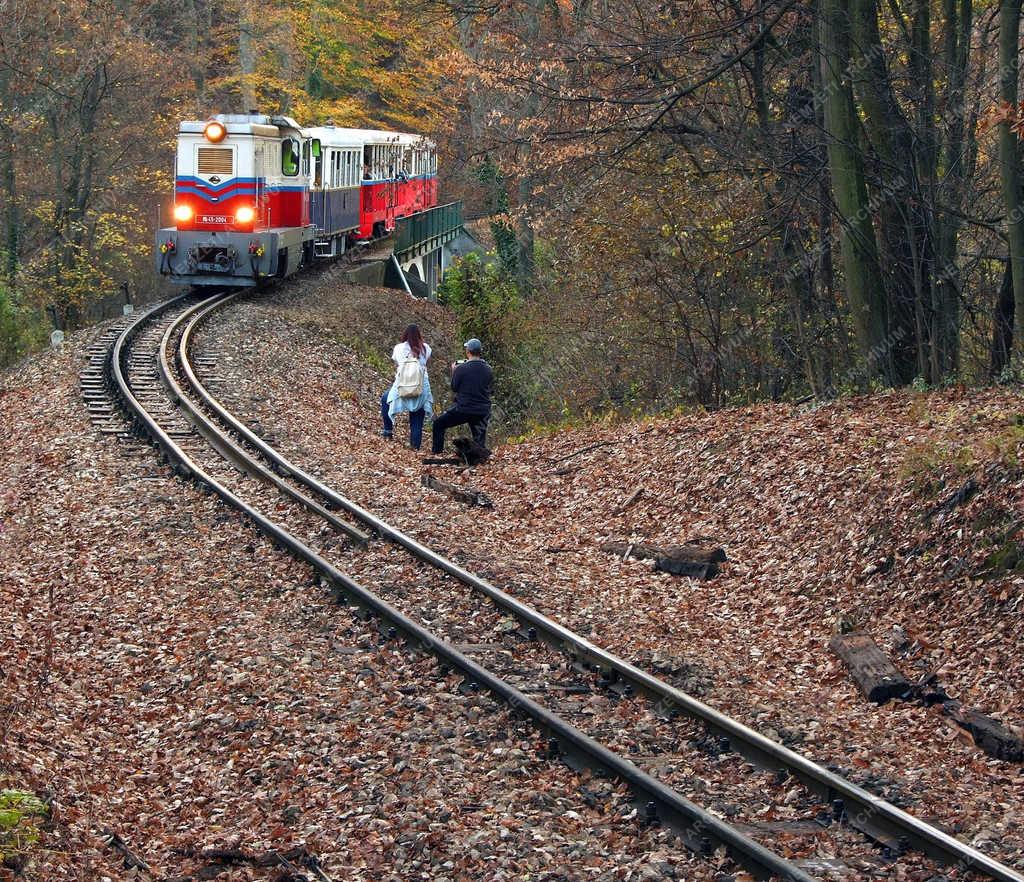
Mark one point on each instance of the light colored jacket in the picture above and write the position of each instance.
(425, 401)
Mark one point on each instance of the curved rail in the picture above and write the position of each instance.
(698, 829)
(864, 810)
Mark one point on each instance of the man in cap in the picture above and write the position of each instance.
(473, 385)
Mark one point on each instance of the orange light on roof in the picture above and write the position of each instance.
(182, 213)
(245, 214)
(214, 132)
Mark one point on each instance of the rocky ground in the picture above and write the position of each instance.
(172, 678)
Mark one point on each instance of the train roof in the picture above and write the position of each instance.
(242, 124)
(343, 134)
(271, 126)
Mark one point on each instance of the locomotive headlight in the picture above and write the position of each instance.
(245, 214)
(214, 132)
(182, 213)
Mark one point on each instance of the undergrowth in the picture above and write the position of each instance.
(368, 351)
(21, 817)
(931, 464)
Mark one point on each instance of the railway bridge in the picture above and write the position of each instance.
(419, 251)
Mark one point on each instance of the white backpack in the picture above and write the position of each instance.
(410, 378)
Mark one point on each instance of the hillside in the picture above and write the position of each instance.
(178, 681)
(840, 512)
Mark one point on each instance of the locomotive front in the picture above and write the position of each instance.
(241, 202)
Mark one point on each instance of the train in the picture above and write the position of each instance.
(258, 197)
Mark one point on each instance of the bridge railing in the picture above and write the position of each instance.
(428, 230)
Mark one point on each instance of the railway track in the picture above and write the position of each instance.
(715, 782)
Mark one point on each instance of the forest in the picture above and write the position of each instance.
(696, 202)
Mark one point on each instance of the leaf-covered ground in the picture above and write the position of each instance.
(171, 677)
(842, 514)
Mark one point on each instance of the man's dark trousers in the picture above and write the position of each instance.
(455, 417)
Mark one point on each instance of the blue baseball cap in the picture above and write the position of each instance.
(473, 345)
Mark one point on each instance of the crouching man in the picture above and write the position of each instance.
(473, 385)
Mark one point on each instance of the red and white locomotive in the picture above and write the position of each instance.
(256, 197)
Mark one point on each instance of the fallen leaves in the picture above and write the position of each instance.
(201, 694)
(821, 510)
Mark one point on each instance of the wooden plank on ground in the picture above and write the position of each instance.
(462, 494)
(690, 551)
(992, 736)
(693, 560)
(870, 668)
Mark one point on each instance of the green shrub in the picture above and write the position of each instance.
(21, 814)
(20, 331)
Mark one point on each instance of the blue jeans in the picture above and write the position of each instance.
(416, 418)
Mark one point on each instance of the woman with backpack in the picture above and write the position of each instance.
(410, 392)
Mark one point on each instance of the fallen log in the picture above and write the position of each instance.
(461, 494)
(876, 676)
(988, 733)
(695, 561)
(689, 551)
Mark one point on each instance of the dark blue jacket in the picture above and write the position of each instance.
(473, 385)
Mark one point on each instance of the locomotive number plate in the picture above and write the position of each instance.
(212, 219)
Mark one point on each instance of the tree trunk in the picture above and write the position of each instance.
(1009, 159)
(957, 25)
(903, 223)
(532, 12)
(11, 219)
(247, 55)
(525, 263)
(1002, 326)
(198, 26)
(8, 186)
(859, 249)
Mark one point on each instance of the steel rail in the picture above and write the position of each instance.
(864, 810)
(122, 389)
(230, 451)
(697, 828)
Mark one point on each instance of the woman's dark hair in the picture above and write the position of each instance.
(414, 338)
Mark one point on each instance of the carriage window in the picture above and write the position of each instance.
(290, 157)
(305, 157)
(318, 164)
